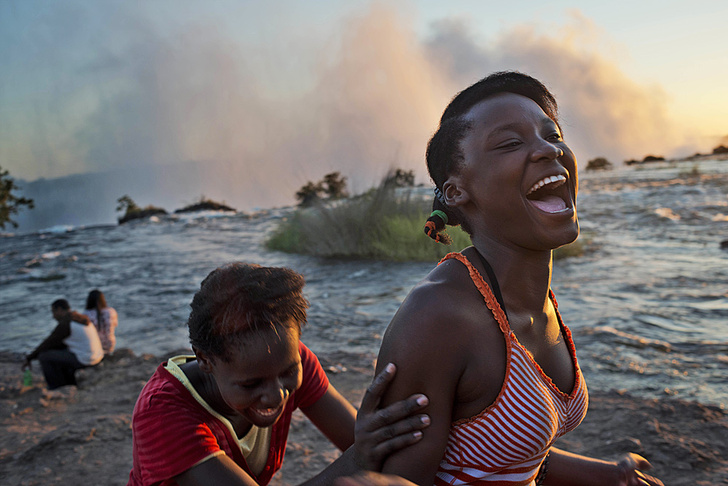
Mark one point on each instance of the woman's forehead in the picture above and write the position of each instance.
(266, 350)
(506, 109)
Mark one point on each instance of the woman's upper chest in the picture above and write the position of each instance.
(490, 355)
(547, 347)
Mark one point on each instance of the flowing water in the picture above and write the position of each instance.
(648, 303)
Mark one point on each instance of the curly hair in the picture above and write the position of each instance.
(444, 154)
(239, 298)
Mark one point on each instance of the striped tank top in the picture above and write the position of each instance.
(506, 443)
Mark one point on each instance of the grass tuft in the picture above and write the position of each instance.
(383, 224)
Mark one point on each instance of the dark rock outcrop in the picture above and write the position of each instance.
(205, 206)
(141, 214)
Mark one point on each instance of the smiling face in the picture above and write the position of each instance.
(518, 180)
(260, 377)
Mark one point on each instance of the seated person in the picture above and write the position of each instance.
(222, 416)
(73, 344)
(104, 319)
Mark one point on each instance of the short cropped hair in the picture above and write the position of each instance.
(61, 304)
(239, 298)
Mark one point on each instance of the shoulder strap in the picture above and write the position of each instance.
(493, 280)
(490, 300)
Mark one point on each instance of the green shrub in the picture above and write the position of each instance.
(10, 204)
(382, 224)
(333, 186)
(133, 211)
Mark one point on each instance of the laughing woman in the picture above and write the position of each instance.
(221, 417)
(505, 383)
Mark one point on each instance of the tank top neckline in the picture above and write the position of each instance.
(494, 304)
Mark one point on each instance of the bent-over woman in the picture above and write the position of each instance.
(221, 416)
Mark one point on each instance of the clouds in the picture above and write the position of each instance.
(603, 112)
(117, 86)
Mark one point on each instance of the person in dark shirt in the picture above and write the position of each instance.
(73, 344)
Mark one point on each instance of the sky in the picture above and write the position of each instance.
(272, 94)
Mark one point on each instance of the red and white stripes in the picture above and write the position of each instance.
(506, 443)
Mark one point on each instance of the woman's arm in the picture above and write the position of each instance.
(217, 470)
(430, 360)
(53, 341)
(567, 469)
(378, 432)
(113, 319)
(437, 378)
(335, 417)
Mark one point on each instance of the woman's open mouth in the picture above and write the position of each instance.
(266, 416)
(550, 194)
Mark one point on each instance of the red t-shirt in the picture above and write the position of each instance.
(172, 431)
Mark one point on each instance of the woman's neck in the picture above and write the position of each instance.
(524, 276)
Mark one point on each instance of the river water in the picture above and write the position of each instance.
(647, 304)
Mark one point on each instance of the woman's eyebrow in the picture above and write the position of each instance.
(508, 127)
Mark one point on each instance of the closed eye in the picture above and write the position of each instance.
(509, 144)
(292, 370)
(249, 385)
(555, 137)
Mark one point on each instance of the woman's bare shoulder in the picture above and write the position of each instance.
(441, 308)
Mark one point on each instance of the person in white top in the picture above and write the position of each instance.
(73, 344)
(103, 317)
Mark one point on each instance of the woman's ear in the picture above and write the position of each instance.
(453, 191)
(203, 361)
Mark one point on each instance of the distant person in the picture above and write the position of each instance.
(73, 344)
(222, 416)
(104, 319)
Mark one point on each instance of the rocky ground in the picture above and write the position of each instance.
(86, 437)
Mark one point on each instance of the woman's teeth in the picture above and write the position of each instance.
(546, 180)
(267, 412)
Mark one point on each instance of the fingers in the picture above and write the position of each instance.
(410, 426)
(643, 479)
(379, 432)
(387, 447)
(377, 388)
(394, 415)
(631, 475)
(640, 462)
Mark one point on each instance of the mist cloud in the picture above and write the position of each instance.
(371, 99)
(603, 112)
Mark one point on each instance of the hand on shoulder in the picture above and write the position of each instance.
(80, 318)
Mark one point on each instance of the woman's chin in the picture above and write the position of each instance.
(568, 237)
